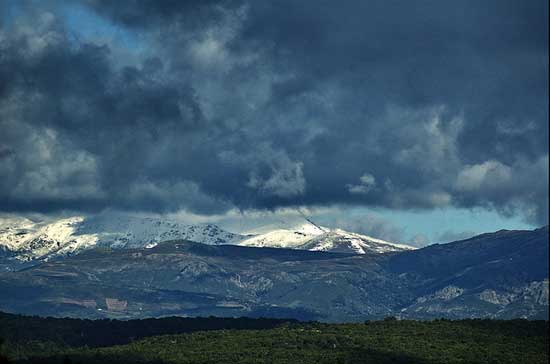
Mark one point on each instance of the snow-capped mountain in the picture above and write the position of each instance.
(136, 232)
(340, 241)
(29, 240)
(317, 238)
(283, 238)
(23, 240)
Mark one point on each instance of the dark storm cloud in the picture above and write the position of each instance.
(265, 104)
(153, 13)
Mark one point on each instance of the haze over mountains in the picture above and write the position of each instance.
(143, 267)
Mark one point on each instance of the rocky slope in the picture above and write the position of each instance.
(502, 274)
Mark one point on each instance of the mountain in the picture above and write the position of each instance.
(24, 242)
(497, 275)
(502, 274)
(290, 238)
(316, 238)
(340, 241)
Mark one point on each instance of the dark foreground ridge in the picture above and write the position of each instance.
(69, 332)
(241, 340)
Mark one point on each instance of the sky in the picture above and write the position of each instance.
(418, 122)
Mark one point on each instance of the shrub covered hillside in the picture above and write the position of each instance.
(388, 341)
(27, 336)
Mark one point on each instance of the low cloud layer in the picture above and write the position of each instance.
(210, 106)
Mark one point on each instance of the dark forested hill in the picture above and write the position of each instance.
(59, 341)
(68, 332)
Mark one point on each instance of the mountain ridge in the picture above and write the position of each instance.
(26, 242)
(492, 275)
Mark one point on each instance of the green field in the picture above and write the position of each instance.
(388, 341)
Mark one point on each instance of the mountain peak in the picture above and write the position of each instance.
(341, 241)
(312, 237)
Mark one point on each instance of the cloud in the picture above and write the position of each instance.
(491, 173)
(271, 172)
(510, 189)
(251, 105)
(366, 183)
(419, 240)
(151, 13)
(367, 224)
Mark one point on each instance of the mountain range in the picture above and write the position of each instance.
(313, 273)
(24, 242)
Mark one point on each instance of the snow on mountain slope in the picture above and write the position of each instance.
(30, 240)
(284, 238)
(26, 241)
(137, 232)
(14, 231)
(340, 241)
(57, 238)
(311, 237)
